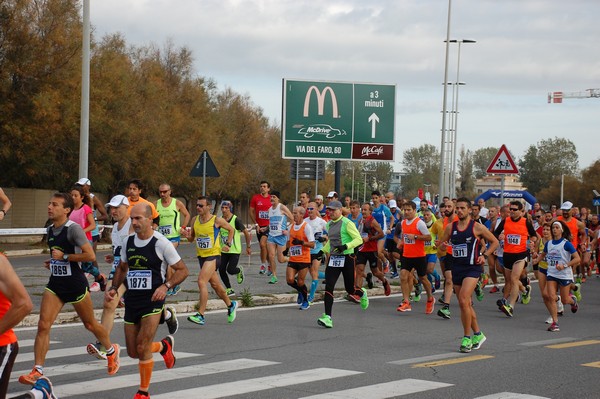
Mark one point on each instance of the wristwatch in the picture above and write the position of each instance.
(168, 285)
(65, 257)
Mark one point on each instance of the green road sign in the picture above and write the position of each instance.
(338, 120)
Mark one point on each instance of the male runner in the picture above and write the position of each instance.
(143, 268)
(302, 240)
(259, 215)
(230, 255)
(318, 226)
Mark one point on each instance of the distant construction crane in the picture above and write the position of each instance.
(556, 97)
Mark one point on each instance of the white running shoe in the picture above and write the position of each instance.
(549, 320)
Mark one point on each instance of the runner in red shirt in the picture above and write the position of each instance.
(259, 214)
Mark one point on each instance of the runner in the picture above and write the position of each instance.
(302, 240)
(367, 252)
(384, 217)
(465, 236)
(143, 268)
(230, 256)
(135, 187)
(412, 246)
(449, 217)
(259, 215)
(390, 246)
(343, 238)
(436, 229)
(562, 257)
(318, 226)
(6, 204)
(517, 230)
(205, 233)
(68, 246)
(279, 214)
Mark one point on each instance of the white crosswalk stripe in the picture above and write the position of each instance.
(384, 390)
(511, 395)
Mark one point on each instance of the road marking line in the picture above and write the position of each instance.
(548, 341)
(382, 391)
(24, 343)
(245, 387)
(132, 380)
(427, 358)
(511, 395)
(453, 361)
(95, 365)
(574, 344)
(593, 364)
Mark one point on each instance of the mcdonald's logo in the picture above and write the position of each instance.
(321, 100)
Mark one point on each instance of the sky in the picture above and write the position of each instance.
(524, 49)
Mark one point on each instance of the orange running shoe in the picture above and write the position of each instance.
(404, 307)
(429, 306)
(113, 360)
(31, 378)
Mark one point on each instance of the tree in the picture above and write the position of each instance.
(465, 170)
(422, 166)
(482, 158)
(548, 160)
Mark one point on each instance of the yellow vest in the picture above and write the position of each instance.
(207, 238)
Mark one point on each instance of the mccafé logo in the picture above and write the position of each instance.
(321, 100)
(372, 150)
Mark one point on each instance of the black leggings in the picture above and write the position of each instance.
(331, 277)
(229, 264)
(8, 354)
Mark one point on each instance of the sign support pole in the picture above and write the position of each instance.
(502, 190)
(204, 173)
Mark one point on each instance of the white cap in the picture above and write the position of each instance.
(84, 181)
(392, 204)
(319, 196)
(332, 194)
(566, 206)
(118, 200)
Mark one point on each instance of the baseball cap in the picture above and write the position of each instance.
(392, 204)
(566, 206)
(118, 200)
(84, 181)
(332, 194)
(335, 205)
(319, 196)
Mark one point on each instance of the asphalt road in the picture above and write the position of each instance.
(281, 352)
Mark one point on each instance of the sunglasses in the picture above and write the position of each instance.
(199, 206)
(310, 209)
(513, 209)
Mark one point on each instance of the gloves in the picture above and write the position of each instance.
(340, 248)
(319, 256)
(296, 241)
(321, 239)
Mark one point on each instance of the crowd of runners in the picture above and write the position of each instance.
(323, 238)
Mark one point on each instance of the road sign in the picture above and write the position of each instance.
(305, 169)
(596, 202)
(198, 169)
(338, 120)
(503, 163)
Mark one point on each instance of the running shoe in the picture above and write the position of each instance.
(578, 279)
(167, 351)
(31, 378)
(44, 386)
(231, 311)
(230, 292)
(500, 302)
(95, 287)
(507, 310)
(96, 351)
(418, 291)
(172, 323)
(574, 305)
(560, 308)
(325, 321)
(113, 360)
(438, 281)
(444, 313)
(386, 266)
(577, 292)
(478, 340)
(429, 306)
(387, 289)
(494, 289)
(370, 280)
(197, 319)
(175, 290)
(484, 281)
(141, 395)
(364, 300)
(526, 295)
(352, 298)
(300, 299)
(554, 327)
(404, 307)
(466, 345)
(394, 275)
(479, 291)
(121, 303)
(102, 282)
(269, 271)
(549, 320)
(262, 269)
(273, 280)
(305, 305)
(240, 275)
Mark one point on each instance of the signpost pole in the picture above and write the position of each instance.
(502, 190)
(317, 178)
(204, 173)
(297, 171)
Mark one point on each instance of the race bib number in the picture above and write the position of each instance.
(364, 235)
(139, 279)
(60, 268)
(263, 214)
(274, 226)
(337, 261)
(165, 230)
(513, 239)
(459, 251)
(296, 250)
(408, 240)
(427, 243)
(224, 240)
(203, 243)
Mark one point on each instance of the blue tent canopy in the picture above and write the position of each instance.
(511, 194)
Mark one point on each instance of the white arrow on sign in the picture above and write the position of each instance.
(374, 119)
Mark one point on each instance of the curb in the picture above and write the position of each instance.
(41, 251)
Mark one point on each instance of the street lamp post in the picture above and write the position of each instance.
(442, 174)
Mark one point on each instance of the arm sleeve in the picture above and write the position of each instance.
(530, 229)
(570, 248)
(499, 229)
(239, 225)
(76, 235)
(423, 228)
(309, 232)
(354, 234)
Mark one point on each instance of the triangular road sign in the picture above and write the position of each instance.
(198, 169)
(503, 163)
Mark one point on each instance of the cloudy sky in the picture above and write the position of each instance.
(524, 49)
